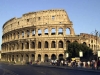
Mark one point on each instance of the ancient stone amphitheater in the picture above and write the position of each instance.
(41, 35)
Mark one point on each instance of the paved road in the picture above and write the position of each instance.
(42, 70)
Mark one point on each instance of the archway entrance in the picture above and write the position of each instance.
(53, 56)
(33, 57)
(60, 56)
(12, 57)
(46, 58)
(39, 57)
(27, 58)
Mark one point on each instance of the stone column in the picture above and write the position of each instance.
(57, 44)
(24, 58)
(36, 32)
(42, 57)
(56, 31)
(30, 57)
(42, 31)
(64, 31)
(49, 31)
(49, 44)
(30, 31)
(49, 56)
(19, 56)
(36, 57)
(29, 44)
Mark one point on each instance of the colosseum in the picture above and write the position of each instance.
(41, 35)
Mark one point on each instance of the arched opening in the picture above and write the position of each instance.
(46, 58)
(53, 31)
(53, 56)
(75, 41)
(46, 31)
(67, 31)
(28, 33)
(16, 58)
(39, 32)
(60, 56)
(53, 44)
(39, 44)
(39, 57)
(32, 45)
(27, 45)
(60, 44)
(89, 45)
(22, 34)
(33, 57)
(60, 31)
(22, 46)
(84, 43)
(46, 44)
(12, 57)
(33, 32)
(27, 58)
(21, 57)
(67, 43)
(18, 34)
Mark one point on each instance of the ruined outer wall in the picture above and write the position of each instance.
(47, 17)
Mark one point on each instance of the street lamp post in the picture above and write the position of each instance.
(80, 54)
(67, 55)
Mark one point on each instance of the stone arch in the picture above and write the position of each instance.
(22, 34)
(60, 44)
(67, 43)
(17, 58)
(33, 57)
(39, 44)
(60, 56)
(68, 31)
(17, 34)
(89, 46)
(84, 43)
(75, 41)
(46, 44)
(53, 44)
(27, 45)
(60, 31)
(53, 57)
(46, 31)
(53, 31)
(33, 32)
(28, 33)
(46, 57)
(12, 57)
(39, 32)
(32, 45)
(39, 57)
(21, 57)
(27, 58)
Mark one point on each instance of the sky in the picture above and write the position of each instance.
(85, 14)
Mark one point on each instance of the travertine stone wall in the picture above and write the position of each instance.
(41, 35)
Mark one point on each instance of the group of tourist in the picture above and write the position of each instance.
(89, 64)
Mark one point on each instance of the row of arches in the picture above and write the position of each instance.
(32, 57)
(36, 32)
(33, 45)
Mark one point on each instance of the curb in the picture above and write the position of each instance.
(72, 68)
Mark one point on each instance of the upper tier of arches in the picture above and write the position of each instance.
(47, 17)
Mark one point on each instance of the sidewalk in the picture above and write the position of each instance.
(68, 67)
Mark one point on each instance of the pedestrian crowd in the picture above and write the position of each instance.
(89, 64)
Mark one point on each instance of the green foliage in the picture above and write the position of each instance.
(74, 48)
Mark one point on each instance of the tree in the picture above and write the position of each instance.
(74, 48)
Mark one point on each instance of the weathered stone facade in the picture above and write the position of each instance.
(40, 36)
